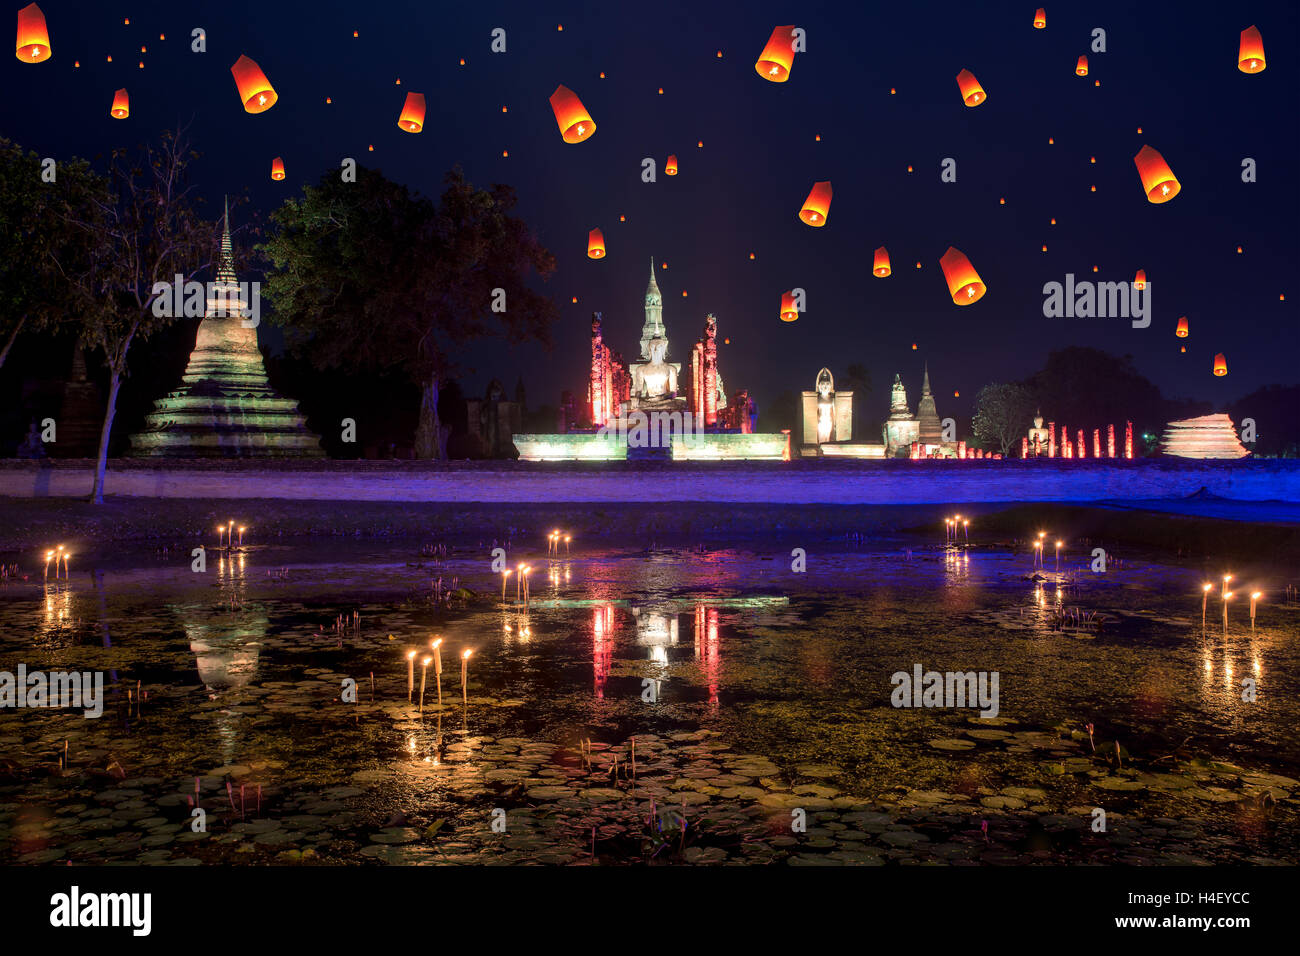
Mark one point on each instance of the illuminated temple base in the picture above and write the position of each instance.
(1210, 436)
(722, 446)
(852, 450)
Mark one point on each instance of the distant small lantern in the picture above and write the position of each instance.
(670, 167)
(1220, 365)
(751, 255)
(1140, 280)
(972, 94)
(817, 205)
(1250, 55)
(121, 108)
(1239, 250)
(1183, 350)
(788, 311)
(880, 267)
(964, 283)
(1158, 180)
(33, 43)
(1040, 19)
(778, 56)
(1081, 67)
(595, 244)
(412, 116)
(571, 116)
(1181, 331)
(277, 168)
(1002, 201)
(255, 90)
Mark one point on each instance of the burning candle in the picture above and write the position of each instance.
(410, 675)
(1254, 597)
(1058, 555)
(1226, 598)
(965, 527)
(1038, 553)
(48, 555)
(66, 555)
(241, 535)
(437, 667)
(464, 675)
(221, 530)
(424, 673)
(1205, 599)
(504, 575)
(527, 571)
(566, 543)
(1226, 579)
(518, 580)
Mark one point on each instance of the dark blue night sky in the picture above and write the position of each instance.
(1170, 68)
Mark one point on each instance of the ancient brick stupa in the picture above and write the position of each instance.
(226, 407)
(1210, 436)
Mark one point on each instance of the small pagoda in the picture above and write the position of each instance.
(225, 407)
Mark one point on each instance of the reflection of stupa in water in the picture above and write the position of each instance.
(226, 406)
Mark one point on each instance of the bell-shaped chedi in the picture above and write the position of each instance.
(225, 407)
(1209, 436)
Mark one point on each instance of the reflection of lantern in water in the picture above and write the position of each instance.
(964, 283)
(880, 267)
(412, 116)
(1158, 180)
(277, 168)
(121, 108)
(1140, 280)
(572, 117)
(788, 311)
(255, 90)
(1250, 55)
(595, 244)
(1220, 365)
(33, 44)
(1181, 331)
(778, 56)
(817, 205)
(670, 167)
(972, 94)
(1081, 67)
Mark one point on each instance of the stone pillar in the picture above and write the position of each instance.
(1128, 439)
(1096, 443)
(1110, 441)
(1024, 447)
(599, 375)
(1083, 446)
(1051, 439)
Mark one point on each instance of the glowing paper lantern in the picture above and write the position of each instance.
(670, 167)
(964, 283)
(574, 121)
(1140, 280)
(1158, 180)
(1081, 68)
(255, 90)
(1250, 55)
(788, 311)
(881, 265)
(1040, 19)
(277, 168)
(412, 118)
(972, 94)
(778, 56)
(33, 44)
(1181, 331)
(817, 205)
(1220, 365)
(121, 108)
(595, 244)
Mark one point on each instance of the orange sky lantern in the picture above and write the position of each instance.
(788, 311)
(255, 90)
(880, 267)
(1181, 331)
(817, 205)
(1081, 68)
(972, 94)
(1140, 280)
(1250, 55)
(33, 44)
(1220, 365)
(778, 56)
(964, 283)
(121, 108)
(595, 244)
(1158, 180)
(670, 167)
(572, 117)
(1040, 19)
(277, 168)
(412, 118)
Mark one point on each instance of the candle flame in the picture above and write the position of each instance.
(436, 644)
(466, 655)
